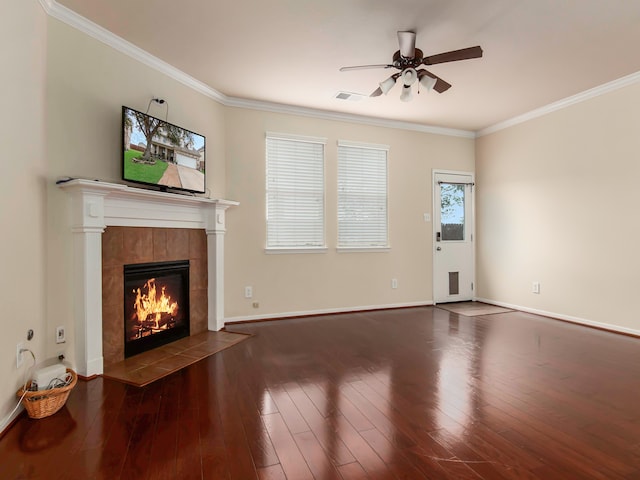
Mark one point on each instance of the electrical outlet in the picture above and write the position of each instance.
(394, 283)
(535, 287)
(248, 292)
(19, 352)
(60, 335)
(256, 305)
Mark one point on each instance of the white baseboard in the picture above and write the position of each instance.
(271, 316)
(7, 421)
(566, 318)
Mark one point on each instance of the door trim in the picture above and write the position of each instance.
(435, 172)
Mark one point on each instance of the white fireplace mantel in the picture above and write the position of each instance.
(97, 205)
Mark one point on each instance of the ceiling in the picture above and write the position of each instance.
(536, 52)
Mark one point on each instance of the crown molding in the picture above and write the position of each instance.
(71, 18)
(564, 103)
(344, 117)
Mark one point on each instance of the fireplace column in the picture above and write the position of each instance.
(215, 254)
(87, 208)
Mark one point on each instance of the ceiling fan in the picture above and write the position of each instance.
(408, 60)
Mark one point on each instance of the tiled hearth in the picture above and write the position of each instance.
(152, 365)
(98, 206)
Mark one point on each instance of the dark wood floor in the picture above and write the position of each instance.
(406, 394)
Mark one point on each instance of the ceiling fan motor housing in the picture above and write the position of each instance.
(401, 62)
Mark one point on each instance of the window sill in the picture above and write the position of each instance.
(363, 249)
(286, 251)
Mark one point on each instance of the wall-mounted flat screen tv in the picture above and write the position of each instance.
(159, 153)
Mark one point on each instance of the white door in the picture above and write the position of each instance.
(453, 270)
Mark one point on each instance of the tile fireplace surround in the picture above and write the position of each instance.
(142, 245)
(97, 205)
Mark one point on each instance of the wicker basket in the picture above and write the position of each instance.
(42, 403)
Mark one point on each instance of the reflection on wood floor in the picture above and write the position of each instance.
(398, 394)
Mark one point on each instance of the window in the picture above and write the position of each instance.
(295, 193)
(362, 196)
(452, 210)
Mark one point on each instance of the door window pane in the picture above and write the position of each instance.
(452, 198)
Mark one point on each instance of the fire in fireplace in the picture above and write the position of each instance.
(156, 305)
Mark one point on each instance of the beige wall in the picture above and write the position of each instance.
(293, 283)
(22, 190)
(87, 84)
(556, 203)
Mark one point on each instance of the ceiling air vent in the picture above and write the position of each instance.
(352, 97)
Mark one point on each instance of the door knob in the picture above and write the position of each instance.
(438, 248)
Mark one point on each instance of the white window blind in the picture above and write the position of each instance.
(295, 192)
(362, 196)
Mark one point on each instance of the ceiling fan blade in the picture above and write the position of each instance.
(362, 67)
(376, 93)
(441, 85)
(407, 42)
(454, 56)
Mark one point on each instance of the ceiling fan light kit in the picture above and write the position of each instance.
(426, 81)
(406, 94)
(409, 76)
(408, 59)
(388, 84)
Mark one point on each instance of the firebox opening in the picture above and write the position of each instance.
(156, 305)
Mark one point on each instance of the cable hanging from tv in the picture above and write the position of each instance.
(159, 101)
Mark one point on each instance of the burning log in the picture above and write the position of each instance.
(159, 321)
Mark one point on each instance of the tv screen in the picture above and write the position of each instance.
(159, 153)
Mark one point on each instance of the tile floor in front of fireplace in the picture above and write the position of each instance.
(142, 369)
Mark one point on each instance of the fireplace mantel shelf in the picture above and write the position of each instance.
(96, 205)
(102, 204)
